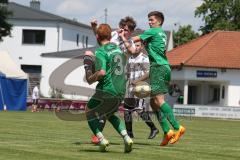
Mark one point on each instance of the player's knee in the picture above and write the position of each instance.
(127, 116)
(127, 113)
(157, 102)
(90, 114)
(144, 116)
(153, 105)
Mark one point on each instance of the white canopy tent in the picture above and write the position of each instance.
(13, 84)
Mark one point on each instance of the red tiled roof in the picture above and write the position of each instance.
(219, 49)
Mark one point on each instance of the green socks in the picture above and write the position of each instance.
(117, 124)
(114, 120)
(163, 121)
(168, 113)
(94, 125)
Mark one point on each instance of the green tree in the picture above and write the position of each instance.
(219, 15)
(5, 26)
(184, 35)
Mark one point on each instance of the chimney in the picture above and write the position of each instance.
(35, 4)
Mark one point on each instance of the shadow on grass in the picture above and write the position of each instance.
(83, 142)
(117, 144)
(97, 151)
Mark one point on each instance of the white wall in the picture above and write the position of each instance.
(30, 53)
(49, 65)
(75, 78)
(207, 111)
(69, 37)
(170, 42)
(233, 95)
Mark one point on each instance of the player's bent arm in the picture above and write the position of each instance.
(91, 78)
(130, 48)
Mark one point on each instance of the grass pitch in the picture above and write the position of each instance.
(42, 136)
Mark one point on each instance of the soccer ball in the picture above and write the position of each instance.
(142, 89)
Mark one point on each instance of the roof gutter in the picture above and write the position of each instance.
(58, 36)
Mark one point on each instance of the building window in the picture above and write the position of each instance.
(216, 94)
(86, 41)
(223, 92)
(33, 36)
(83, 40)
(36, 69)
(77, 40)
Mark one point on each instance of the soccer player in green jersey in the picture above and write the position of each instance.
(126, 27)
(160, 75)
(110, 90)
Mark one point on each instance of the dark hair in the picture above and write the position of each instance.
(128, 21)
(158, 15)
(104, 32)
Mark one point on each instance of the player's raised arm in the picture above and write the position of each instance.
(130, 48)
(94, 26)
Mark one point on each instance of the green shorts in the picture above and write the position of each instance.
(160, 76)
(104, 104)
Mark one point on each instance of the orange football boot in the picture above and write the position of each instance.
(167, 137)
(95, 139)
(178, 134)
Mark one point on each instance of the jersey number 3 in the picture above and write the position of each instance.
(119, 68)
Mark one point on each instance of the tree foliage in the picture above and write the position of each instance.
(219, 15)
(184, 35)
(5, 26)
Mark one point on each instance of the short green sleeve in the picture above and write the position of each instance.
(146, 35)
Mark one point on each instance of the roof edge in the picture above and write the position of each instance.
(58, 18)
(198, 66)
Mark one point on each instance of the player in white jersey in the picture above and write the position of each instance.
(35, 97)
(137, 67)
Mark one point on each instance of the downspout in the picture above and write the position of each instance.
(58, 37)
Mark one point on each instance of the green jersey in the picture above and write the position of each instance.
(111, 59)
(156, 40)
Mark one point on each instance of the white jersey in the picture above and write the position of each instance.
(35, 93)
(116, 39)
(136, 68)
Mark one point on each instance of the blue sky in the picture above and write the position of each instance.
(175, 11)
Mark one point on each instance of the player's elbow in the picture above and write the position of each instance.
(102, 73)
(89, 81)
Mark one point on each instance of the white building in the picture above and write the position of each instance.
(35, 32)
(207, 69)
